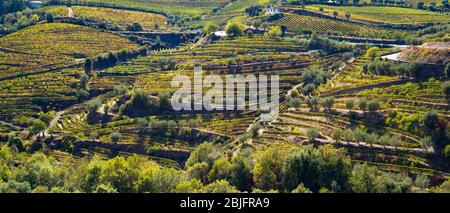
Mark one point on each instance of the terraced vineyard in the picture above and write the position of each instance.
(181, 7)
(20, 96)
(28, 51)
(89, 107)
(389, 15)
(121, 17)
(300, 24)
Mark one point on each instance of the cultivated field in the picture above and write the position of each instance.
(120, 17)
(388, 15)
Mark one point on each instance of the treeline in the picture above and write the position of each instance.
(11, 6)
(143, 103)
(209, 169)
(13, 22)
(112, 58)
(328, 46)
(389, 68)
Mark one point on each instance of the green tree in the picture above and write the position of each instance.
(46, 117)
(210, 28)
(362, 104)
(241, 171)
(274, 31)
(115, 137)
(39, 126)
(93, 106)
(312, 134)
(373, 106)
(205, 152)
(313, 102)
(198, 171)
(120, 90)
(221, 170)
(447, 70)
(220, 186)
(302, 166)
(119, 174)
(431, 120)
(88, 66)
(135, 26)
(17, 142)
(347, 16)
(336, 135)
(94, 135)
(267, 172)
(447, 151)
(301, 189)
(234, 29)
(84, 81)
(156, 179)
(446, 90)
(49, 17)
(328, 102)
(191, 186)
(363, 179)
(335, 14)
(372, 53)
(349, 104)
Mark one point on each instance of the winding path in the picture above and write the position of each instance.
(52, 123)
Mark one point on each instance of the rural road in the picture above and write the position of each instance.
(52, 123)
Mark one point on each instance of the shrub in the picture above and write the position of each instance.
(446, 90)
(141, 100)
(294, 102)
(210, 28)
(115, 137)
(234, 29)
(349, 103)
(328, 102)
(88, 66)
(49, 17)
(46, 117)
(253, 10)
(38, 126)
(312, 134)
(274, 31)
(447, 151)
(93, 105)
(135, 26)
(362, 104)
(372, 53)
(120, 90)
(17, 142)
(373, 106)
(447, 70)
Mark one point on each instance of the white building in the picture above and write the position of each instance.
(220, 33)
(272, 11)
(35, 4)
(332, 2)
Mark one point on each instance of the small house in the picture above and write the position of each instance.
(220, 33)
(34, 4)
(272, 10)
(332, 2)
